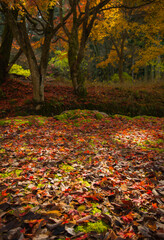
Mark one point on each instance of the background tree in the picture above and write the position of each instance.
(150, 53)
(85, 15)
(114, 28)
(125, 26)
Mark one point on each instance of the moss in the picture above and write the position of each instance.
(41, 120)
(5, 175)
(122, 117)
(66, 167)
(11, 121)
(98, 116)
(61, 117)
(159, 141)
(95, 209)
(40, 185)
(2, 150)
(76, 124)
(8, 174)
(81, 208)
(145, 117)
(18, 172)
(2, 122)
(98, 227)
(160, 150)
(57, 177)
(78, 113)
(26, 120)
(86, 183)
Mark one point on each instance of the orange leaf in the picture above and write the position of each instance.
(154, 205)
(4, 193)
(124, 187)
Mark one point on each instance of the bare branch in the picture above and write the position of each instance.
(59, 37)
(62, 20)
(32, 20)
(41, 13)
(55, 30)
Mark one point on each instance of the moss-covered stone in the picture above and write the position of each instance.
(78, 113)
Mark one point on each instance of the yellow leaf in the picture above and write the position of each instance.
(54, 212)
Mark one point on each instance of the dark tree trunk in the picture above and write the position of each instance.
(74, 64)
(5, 49)
(120, 70)
(77, 46)
(38, 71)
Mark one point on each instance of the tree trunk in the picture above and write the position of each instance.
(158, 69)
(38, 71)
(78, 80)
(76, 74)
(36, 75)
(152, 72)
(145, 73)
(38, 86)
(5, 49)
(120, 54)
(74, 64)
(120, 69)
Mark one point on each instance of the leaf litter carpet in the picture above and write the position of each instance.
(81, 178)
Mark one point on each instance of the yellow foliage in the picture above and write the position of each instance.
(112, 58)
(147, 55)
(149, 30)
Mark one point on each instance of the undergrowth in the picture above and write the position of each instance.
(128, 99)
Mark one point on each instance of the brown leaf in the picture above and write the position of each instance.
(124, 187)
(70, 229)
(111, 236)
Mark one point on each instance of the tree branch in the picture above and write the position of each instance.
(15, 58)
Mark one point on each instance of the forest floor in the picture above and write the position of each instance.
(80, 175)
(128, 99)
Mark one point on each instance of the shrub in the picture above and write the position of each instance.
(17, 69)
(126, 77)
(58, 65)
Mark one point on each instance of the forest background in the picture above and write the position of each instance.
(103, 41)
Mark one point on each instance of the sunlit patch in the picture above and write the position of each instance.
(138, 137)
